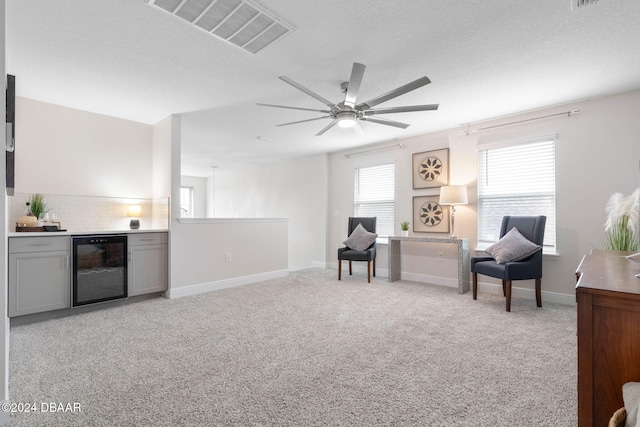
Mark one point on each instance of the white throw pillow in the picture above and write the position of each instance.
(360, 239)
(513, 246)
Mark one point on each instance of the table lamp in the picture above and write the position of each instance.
(452, 195)
(134, 213)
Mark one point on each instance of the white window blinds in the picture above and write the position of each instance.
(516, 180)
(374, 195)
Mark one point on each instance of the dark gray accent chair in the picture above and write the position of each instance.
(531, 227)
(368, 255)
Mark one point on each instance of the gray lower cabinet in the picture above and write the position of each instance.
(148, 263)
(39, 274)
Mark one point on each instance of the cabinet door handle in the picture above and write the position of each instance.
(66, 262)
(130, 256)
(148, 239)
(39, 244)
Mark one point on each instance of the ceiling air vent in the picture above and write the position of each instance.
(239, 22)
(581, 3)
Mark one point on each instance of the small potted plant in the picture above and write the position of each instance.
(37, 206)
(404, 226)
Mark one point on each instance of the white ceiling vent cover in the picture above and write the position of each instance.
(239, 22)
(581, 3)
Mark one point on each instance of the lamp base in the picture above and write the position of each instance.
(134, 224)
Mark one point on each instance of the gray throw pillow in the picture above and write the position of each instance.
(513, 246)
(360, 239)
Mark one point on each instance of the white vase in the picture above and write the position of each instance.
(405, 233)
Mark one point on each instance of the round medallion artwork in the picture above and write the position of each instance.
(430, 168)
(431, 214)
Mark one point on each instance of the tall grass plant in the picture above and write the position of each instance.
(622, 231)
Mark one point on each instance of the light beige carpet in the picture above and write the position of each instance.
(305, 350)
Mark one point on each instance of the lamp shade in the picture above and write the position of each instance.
(453, 195)
(134, 211)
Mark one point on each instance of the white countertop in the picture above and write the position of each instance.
(82, 233)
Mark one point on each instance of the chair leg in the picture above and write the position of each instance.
(339, 269)
(508, 286)
(350, 273)
(504, 288)
(475, 285)
(368, 271)
(374, 267)
(539, 292)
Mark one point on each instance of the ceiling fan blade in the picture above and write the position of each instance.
(303, 121)
(354, 84)
(422, 81)
(327, 127)
(407, 109)
(307, 91)
(386, 122)
(292, 108)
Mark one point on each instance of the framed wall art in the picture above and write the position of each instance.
(431, 169)
(429, 216)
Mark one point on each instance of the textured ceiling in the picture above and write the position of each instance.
(485, 59)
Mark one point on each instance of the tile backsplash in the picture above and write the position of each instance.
(87, 213)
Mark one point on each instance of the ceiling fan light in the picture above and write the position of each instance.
(347, 122)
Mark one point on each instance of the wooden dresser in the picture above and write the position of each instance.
(608, 295)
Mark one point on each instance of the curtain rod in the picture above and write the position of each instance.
(357, 153)
(565, 113)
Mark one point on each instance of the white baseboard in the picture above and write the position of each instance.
(359, 267)
(555, 297)
(314, 264)
(425, 278)
(222, 284)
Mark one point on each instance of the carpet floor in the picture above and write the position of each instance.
(303, 350)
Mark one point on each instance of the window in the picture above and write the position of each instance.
(516, 179)
(186, 202)
(374, 195)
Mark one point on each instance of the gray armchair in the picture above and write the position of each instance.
(368, 255)
(531, 227)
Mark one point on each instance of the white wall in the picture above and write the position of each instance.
(296, 189)
(256, 250)
(161, 159)
(210, 211)
(597, 154)
(61, 150)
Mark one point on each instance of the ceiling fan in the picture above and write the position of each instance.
(347, 113)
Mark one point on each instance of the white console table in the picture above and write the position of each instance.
(463, 257)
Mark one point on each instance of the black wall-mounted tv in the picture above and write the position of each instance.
(10, 133)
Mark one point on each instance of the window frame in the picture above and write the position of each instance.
(550, 210)
(382, 236)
